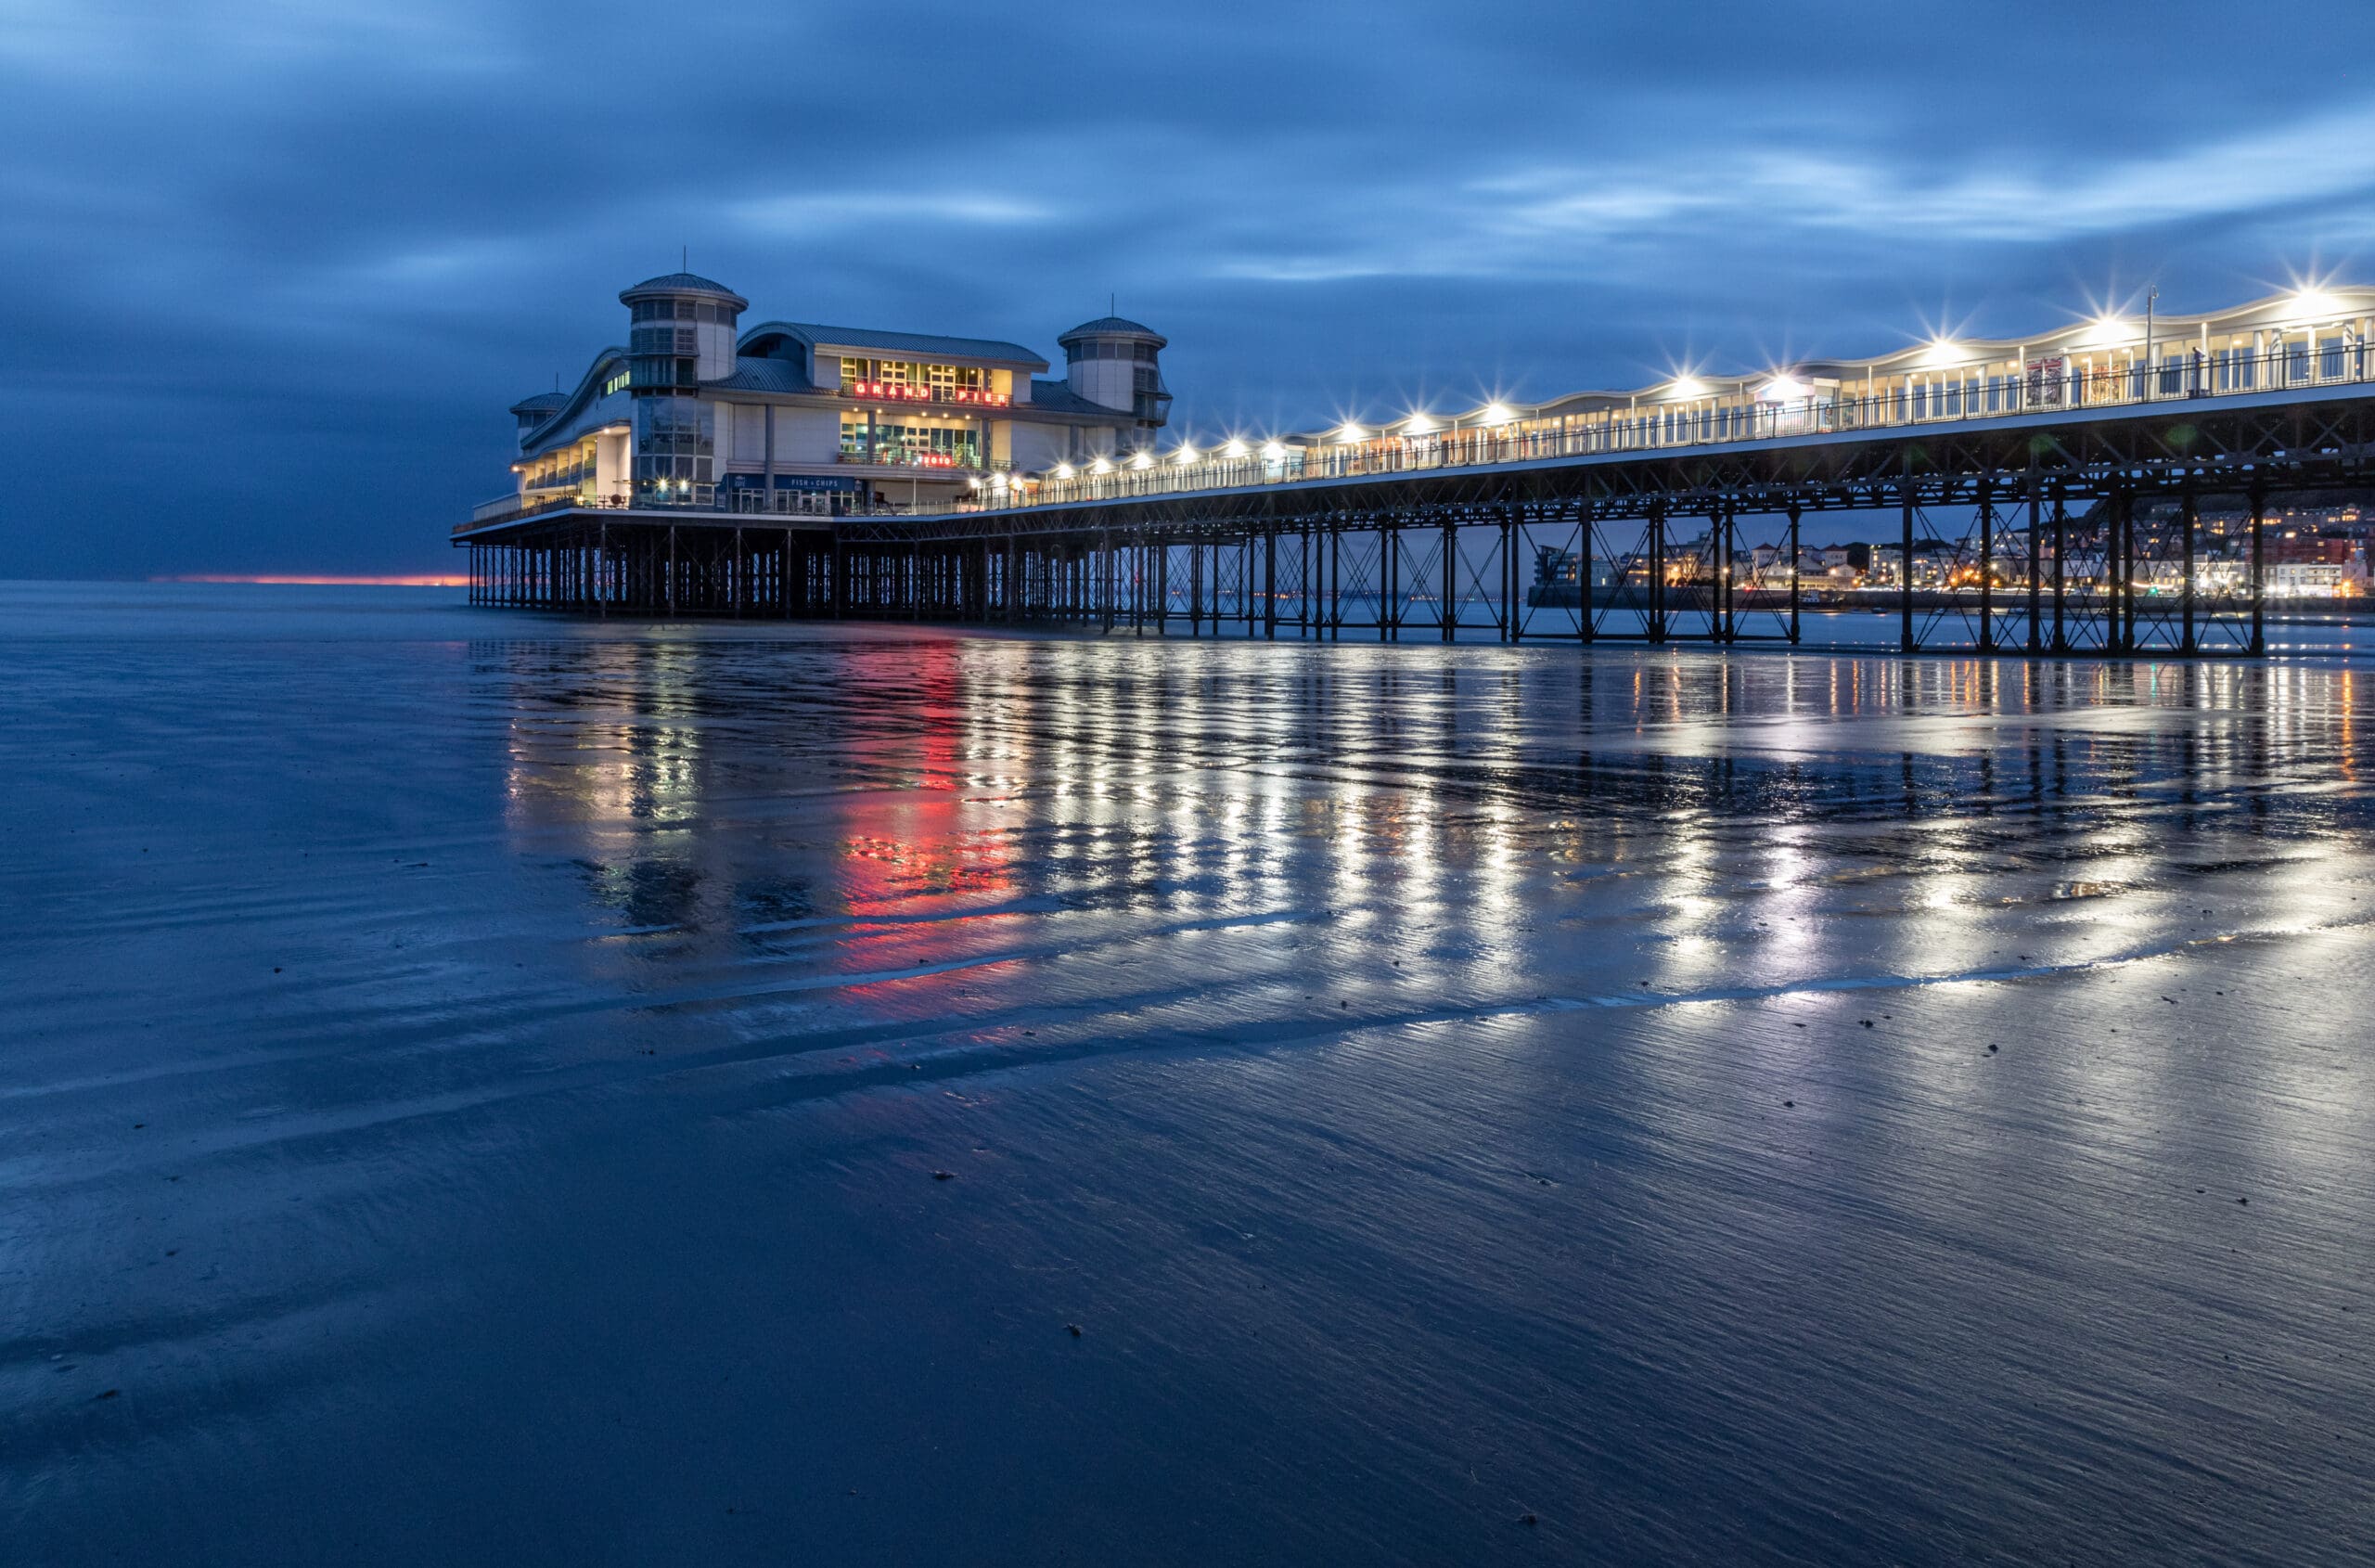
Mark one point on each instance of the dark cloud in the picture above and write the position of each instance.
(276, 269)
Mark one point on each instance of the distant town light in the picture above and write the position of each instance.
(1234, 449)
(1943, 352)
(1687, 386)
(1351, 432)
(1063, 470)
(1273, 452)
(1100, 466)
(1497, 414)
(1142, 461)
(1418, 424)
(1783, 388)
(1185, 456)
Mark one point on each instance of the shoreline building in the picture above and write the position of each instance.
(697, 411)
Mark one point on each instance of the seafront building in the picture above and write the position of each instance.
(699, 412)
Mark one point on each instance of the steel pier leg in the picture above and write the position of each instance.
(1904, 566)
(1509, 630)
(2035, 638)
(1270, 584)
(1986, 568)
(2127, 573)
(2259, 579)
(2191, 517)
(1657, 627)
(1584, 626)
(1451, 585)
(1723, 576)
(2060, 575)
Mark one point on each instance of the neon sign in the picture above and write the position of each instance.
(905, 391)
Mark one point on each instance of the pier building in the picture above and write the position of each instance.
(2105, 485)
(700, 412)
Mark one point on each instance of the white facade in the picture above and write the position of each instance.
(701, 410)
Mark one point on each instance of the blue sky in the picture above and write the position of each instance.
(276, 269)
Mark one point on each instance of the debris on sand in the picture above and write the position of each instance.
(944, 1176)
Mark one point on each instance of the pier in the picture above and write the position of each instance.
(2046, 499)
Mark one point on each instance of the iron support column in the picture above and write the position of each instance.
(1583, 625)
(1657, 627)
(1510, 629)
(1723, 576)
(1335, 582)
(2192, 515)
(1904, 564)
(2259, 580)
(2036, 638)
(1270, 584)
(2126, 575)
(1451, 563)
(1986, 567)
(2061, 573)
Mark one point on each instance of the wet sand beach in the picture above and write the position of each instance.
(482, 1088)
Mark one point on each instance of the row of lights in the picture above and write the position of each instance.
(2304, 305)
(1271, 451)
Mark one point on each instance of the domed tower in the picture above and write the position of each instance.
(682, 329)
(1115, 362)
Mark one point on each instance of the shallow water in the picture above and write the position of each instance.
(474, 1086)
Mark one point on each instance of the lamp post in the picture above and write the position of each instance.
(2151, 298)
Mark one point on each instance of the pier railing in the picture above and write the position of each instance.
(1974, 399)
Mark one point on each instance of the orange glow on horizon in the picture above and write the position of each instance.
(424, 580)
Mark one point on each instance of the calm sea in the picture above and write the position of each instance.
(484, 1088)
